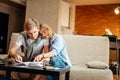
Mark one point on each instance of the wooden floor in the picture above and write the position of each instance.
(116, 77)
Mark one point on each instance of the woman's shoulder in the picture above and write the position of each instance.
(57, 35)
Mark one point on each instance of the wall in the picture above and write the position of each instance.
(65, 14)
(53, 12)
(45, 11)
(94, 19)
(16, 18)
(67, 18)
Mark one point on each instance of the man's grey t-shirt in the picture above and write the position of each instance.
(39, 48)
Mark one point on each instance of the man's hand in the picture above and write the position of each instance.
(18, 58)
(38, 58)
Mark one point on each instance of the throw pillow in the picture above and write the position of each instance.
(97, 65)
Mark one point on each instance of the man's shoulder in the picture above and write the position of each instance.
(23, 33)
(45, 40)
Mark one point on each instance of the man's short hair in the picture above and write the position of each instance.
(30, 23)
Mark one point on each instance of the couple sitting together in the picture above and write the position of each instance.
(40, 43)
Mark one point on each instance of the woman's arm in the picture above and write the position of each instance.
(46, 48)
(57, 44)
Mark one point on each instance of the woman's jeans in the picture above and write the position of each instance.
(56, 62)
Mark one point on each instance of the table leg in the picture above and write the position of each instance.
(56, 78)
(67, 75)
(8, 74)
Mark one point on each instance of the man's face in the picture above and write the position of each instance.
(33, 33)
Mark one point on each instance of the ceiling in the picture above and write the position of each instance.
(79, 2)
(22, 2)
(92, 2)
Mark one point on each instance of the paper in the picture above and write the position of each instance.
(29, 64)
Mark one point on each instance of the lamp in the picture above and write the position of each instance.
(117, 10)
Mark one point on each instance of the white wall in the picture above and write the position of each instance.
(45, 11)
(55, 13)
(65, 14)
(67, 18)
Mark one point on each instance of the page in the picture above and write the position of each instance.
(30, 64)
(35, 64)
(22, 64)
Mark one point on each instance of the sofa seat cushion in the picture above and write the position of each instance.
(84, 73)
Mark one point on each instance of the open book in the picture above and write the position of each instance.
(29, 64)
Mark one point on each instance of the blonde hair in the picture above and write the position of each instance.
(45, 26)
(30, 24)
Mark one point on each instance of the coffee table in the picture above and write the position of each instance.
(54, 72)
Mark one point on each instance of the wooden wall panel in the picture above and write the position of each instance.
(94, 19)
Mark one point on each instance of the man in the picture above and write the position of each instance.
(33, 44)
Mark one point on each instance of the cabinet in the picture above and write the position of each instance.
(114, 55)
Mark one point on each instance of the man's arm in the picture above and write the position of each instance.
(12, 53)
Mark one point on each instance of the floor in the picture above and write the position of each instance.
(116, 77)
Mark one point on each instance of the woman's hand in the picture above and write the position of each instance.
(38, 58)
(45, 61)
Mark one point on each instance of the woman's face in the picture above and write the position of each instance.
(44, 33)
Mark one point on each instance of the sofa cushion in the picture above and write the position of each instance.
(97, 65)
(84, 73)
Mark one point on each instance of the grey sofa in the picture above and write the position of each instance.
(89, 56)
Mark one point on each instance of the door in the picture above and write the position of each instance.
(3, 32)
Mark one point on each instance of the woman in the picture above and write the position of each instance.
(58, 53)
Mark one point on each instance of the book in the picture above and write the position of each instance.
(29, 64)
